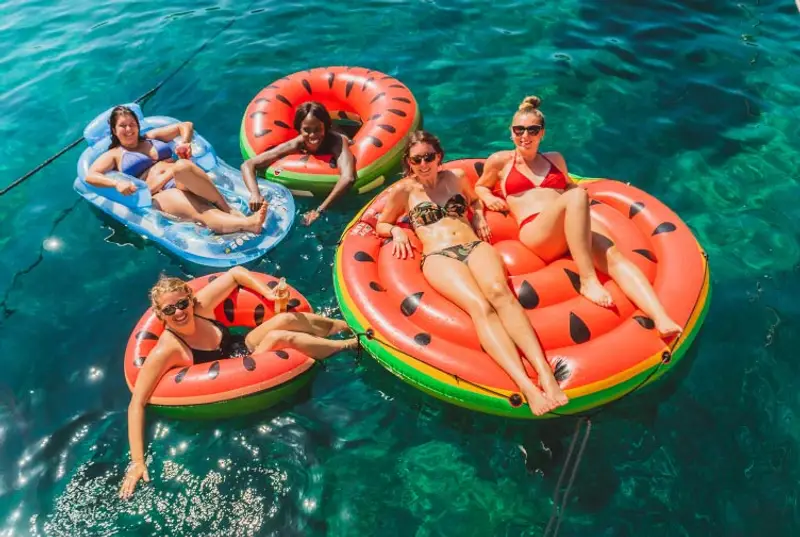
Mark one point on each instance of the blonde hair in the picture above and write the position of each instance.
(530, 105)
(167, 284)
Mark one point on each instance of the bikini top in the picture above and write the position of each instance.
(135, 163)
(516, 182)
(229, 344)
(427, 212)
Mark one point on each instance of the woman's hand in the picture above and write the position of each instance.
(136, 471)
(126, 188)
(256, 200)
(311, 216)
(401, 245)
(494, 203)
(184, 150)
(482, 228)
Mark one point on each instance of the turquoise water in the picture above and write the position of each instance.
(695, 102)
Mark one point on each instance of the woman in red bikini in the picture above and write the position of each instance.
(553, 216)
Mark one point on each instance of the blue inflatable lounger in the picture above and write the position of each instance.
(188, 240)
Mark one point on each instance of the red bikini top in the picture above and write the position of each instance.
(516, 182)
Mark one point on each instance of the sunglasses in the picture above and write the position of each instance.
(181, 304)
(427, 157)
(533, 130)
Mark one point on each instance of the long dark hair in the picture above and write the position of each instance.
(421, 137)
(315, 109)
(116, 114)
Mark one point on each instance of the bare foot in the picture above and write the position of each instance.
(255, 221)
(537, 401)
(338, 326)
(592, 289)
(667, 328)
(350, 344)
(553, 391)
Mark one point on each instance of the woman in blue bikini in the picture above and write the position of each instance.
(462, 267)
(181, 189)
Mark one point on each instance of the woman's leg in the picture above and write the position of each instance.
(489, 272)
(307, 323)
(191, 178)
(188, 206)
(567, 223)
(454, 281)
(630, 279)
(316, 347)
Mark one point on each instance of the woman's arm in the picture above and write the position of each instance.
(264, 160)
(385, 227)
(152, 371)
(210, 296)
(169, 132)
(103, 164)
(346, 163)
(488, 179)
(478, 222)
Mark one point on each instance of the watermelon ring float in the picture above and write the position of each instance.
(598, 354)
(232, 386)
(384, 106)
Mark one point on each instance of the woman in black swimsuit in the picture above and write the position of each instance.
(191, 333)
(317, 136)
(462, 267)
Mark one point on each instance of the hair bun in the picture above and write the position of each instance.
(531, 102)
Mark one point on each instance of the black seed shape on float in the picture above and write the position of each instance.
(330, 77)
(574, 279)
(374, 141)
(283, 355)
(410, 304)
(272, 285)
(378, 96)
(594, 202)
(213, 371)
(578, 330)
(212, 278)
(258, 314)
(364, 257)
(348, 88)
(396, 112)
(260, 100)
(375, 286)
(229, 309)
(139, 361)
(397, 86)
(422, 339)
(387, 128)
(307, 85)
(635, 209)
(254, 114)
(401, 99)
(292, 304)
(479, 168)
(281, 124)
(180, 375)
(144, 334)
(528, 297)
(283, 99)
(647, 254)
(262, 132)
(249, 363)
(645, 322)
(664, 227)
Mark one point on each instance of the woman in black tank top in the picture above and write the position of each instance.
(191, 332)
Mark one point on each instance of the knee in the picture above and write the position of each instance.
(498, 294)
(283, 319)
(182, 165)
(480, 309)
(277, 339)
(578, 196)
(614, 256)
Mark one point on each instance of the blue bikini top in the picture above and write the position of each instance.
(135, 163)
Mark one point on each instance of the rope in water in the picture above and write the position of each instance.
(141, 99)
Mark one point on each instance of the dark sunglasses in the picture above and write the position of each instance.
(181, 304)
(427, 157)
(533, 130)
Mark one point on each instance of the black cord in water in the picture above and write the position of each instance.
(142, 98)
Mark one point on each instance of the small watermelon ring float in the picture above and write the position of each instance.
(598, 354)
(383, 106)
(232, 386)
